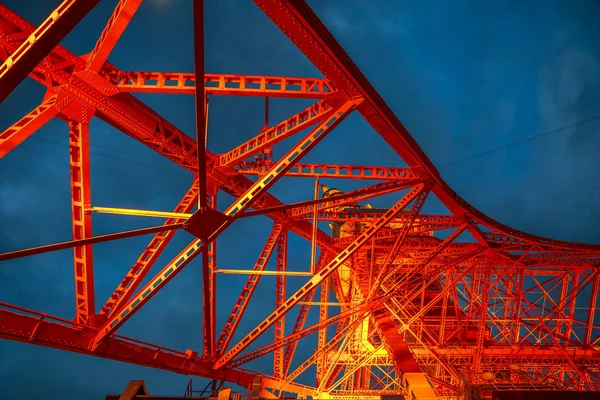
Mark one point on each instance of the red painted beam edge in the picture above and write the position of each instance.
(42, 331)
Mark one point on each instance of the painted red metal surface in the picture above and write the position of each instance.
(414, 297)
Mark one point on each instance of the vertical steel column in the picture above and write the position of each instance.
(592, 310)
(280, 297)
(209, 287)
(313, 245)
(201, 133)
(82, 221)
(200, 98)
(322, 338)
(266, 126)
(483, 290)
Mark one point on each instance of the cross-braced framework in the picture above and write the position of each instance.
(427, 305)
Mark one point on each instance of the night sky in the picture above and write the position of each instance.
(465, 77)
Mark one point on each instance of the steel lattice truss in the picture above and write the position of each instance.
(416, 299)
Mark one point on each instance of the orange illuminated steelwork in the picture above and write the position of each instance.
(426, 306)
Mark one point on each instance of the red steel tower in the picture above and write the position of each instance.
(414, 304)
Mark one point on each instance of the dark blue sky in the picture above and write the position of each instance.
(463, 76)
